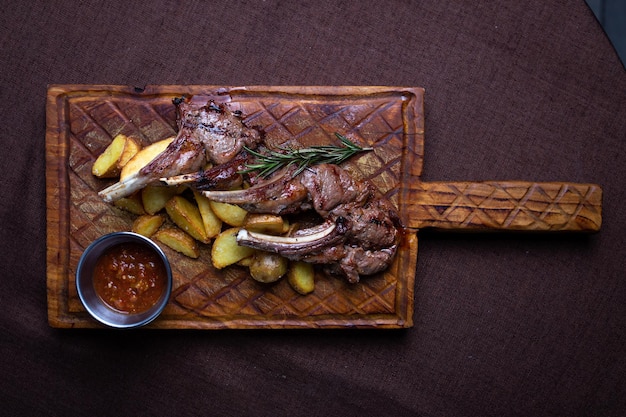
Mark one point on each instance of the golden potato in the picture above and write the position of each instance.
(186, 215)
(106, 165)
(226, 251)
(178, 240)
(154, 197)
(147, 224)
(245, 261)
(229, 213)
(212, 223)
(267, 266)
(131, 148)
(301, 277)
(144, 157)
(265, 223)
(131, 204)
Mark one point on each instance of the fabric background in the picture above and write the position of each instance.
(505, 324)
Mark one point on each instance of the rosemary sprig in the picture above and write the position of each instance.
(271, 162)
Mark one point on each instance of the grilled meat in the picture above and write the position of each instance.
(206, 133)
(220, 131)
(360, 233)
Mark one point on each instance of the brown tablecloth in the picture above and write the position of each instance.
(505, 324)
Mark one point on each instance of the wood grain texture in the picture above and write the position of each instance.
(81, 122)
(506, 205)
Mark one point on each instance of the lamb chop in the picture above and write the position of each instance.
(361, 228)
(206, 133)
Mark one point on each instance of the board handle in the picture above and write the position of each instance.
(505, 205)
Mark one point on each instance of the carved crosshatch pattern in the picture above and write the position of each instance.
(510, 205)
(204, 297)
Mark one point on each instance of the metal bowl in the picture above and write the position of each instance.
(92, 302)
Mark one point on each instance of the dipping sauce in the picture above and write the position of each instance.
(129, 277)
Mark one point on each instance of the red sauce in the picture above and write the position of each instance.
(129, 277)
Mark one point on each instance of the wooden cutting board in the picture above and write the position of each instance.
(83, 119)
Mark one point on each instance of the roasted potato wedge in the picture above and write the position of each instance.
(178, 240)
(148, 224)
(186, 215)
(131, 148)
(154, 197)
(267, 267)
(301, 277)
(212, 223)
(226, 251)
(107, 164)
(245, 261)
(131, 204)
(265, 223)
(143, 157)
(229, 213)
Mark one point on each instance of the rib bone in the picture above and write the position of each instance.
(294, 247)
(132, 183)
(282, 194)
(181, 179)
(300, 240)
(220, 177)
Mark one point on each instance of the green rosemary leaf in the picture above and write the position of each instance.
(268, 163)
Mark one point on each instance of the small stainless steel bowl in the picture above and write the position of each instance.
(94, 304)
